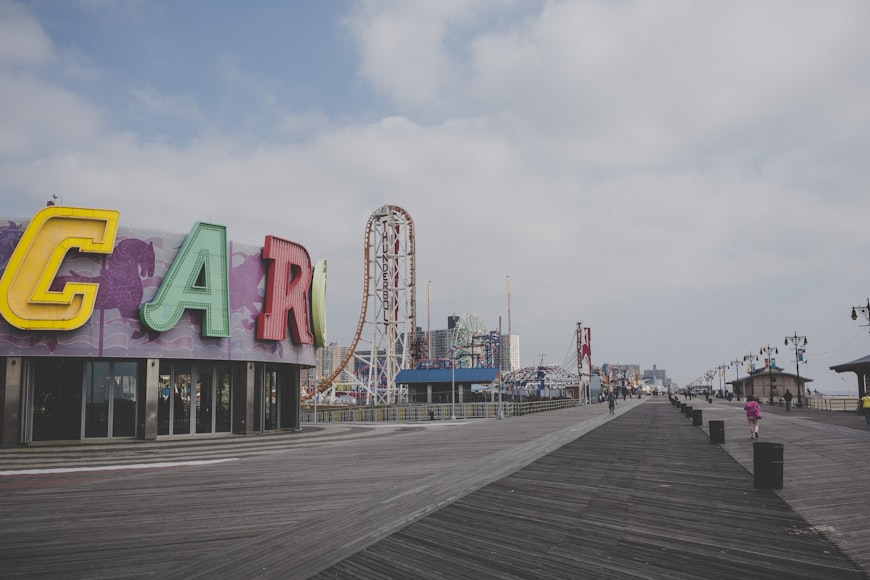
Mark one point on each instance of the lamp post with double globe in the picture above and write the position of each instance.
(770, 351)
(736, 364)
(797, 342)
(865, 310)
(750, 359)
(720, 370)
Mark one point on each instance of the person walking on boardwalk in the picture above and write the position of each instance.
(753, 414)
(788, 397)
(865, 406)
(611, 402)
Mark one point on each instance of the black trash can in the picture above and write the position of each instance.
(688, 411)
(697, 418)
(767, 462)
(681, 407)
(717, 432)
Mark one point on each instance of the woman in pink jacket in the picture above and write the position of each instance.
(753, 414)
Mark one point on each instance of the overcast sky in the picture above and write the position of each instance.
(689, 179)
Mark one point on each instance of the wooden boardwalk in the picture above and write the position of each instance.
(568, 494)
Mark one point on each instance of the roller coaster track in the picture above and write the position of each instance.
(374, 219)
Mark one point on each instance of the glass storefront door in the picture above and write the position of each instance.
(110, 398)
(164, 400)
(276, 398)
(223, 417)
(98, 382)
(198, 398)
(204, 401)
(125, 381)
(270, 395)
(56, 405)
(173, 403)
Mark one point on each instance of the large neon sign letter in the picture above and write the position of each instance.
(198, 279)
(26, 300)
(287, 285)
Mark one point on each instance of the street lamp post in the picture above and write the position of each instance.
(736, 364)
(749, 358)
(862, 379)
(500, 414)
(865, 310)
(452, 384)
(770, 351)
(721, 371)
(798, 342)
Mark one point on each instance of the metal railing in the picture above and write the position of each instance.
(430, 412)
(848, 404)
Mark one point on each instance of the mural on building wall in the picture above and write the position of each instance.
(131, 276)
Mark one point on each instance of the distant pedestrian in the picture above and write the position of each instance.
(865, 405)
(611, 402)
(753, 414)
(788, 397)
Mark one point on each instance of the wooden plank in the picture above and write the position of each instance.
(623, 500)
(547, 494)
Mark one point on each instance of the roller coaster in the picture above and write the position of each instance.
(383, 342)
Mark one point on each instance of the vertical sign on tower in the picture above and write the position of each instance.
(584, 362)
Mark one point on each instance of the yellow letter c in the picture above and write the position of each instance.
(26, 300)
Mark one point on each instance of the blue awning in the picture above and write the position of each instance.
(441, 376)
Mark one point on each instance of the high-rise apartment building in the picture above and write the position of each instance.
(657, 377)
(328, 359)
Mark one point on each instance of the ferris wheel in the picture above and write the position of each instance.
(462, 340)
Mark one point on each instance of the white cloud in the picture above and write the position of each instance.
(23, 42)
(686, 178)
(38, 118)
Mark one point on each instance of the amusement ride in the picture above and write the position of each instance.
(386, 340)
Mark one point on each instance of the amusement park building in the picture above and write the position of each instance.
(441, 341)
(769, 383)
(109, 332)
